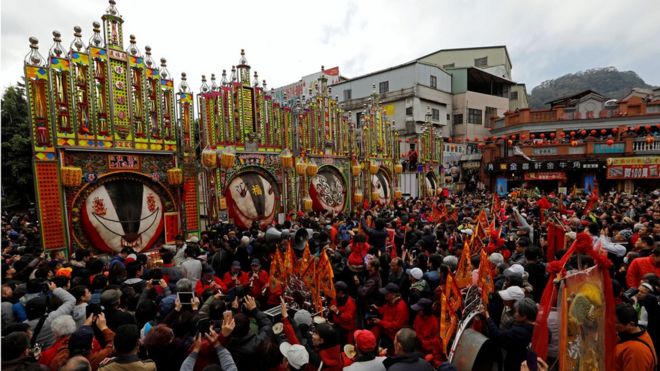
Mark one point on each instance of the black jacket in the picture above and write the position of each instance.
(244, 350)
(377, 237)
(406, 362)
(514, 340)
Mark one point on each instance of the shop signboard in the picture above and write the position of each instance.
(644, 167)
(546, 175)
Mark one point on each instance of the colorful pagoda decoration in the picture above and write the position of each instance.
(104, 137)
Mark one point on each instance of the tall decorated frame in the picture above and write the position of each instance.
(107, 166)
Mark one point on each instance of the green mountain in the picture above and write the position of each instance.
(608, 81)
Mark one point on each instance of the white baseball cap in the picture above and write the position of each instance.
(514, 270)
(467, 231)
(512, 293)
(296, 354)
(416, 273)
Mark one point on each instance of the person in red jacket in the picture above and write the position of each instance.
(235, 277)
(427, 327)
(641, 266)
(343, 313)
(394, 315)
(209, 281)
(258, 281)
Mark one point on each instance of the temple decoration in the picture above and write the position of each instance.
(107, 114)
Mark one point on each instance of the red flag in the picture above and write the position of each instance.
(464, 270)
(483, 219)
(289, 261)
(592, 200)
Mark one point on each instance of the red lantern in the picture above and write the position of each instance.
(593, 132)
(504, 137)
(476, 139)
(603, 132)
(510, 142)
(650, 139)
(523, 136)
(562, 134)
(467, 139)
(637, 128)
(485, 139)
(574, 143)
(449, 140)
(542, 135)
(572, 133)
(480, 145)
(610, 142)
(415, 140)
(647, 127)
(408, 140)
(532, 136)
(513, 136)
(552, 135)
(458, 140)
(583, 132)
(614, 130)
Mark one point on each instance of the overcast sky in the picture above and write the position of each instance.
(285, 40)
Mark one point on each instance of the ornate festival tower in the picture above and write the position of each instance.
(110, 156)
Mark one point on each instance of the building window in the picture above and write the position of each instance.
(409, 111)
(435, 114)
(450, 65)
(448, 117)
(490, 113)
(513, 95)
(458, 119)
(475, 116)
(347, 94)
(481, 62)
(434, 82)
(384, 87)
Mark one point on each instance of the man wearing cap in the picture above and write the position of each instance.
(428, 329)
(258, 281)
(366, 350)
(509, 297)
(343, 312)
(115, 316)
(235, 277)
(394, 314)
(126, 344)
(418, 285)
(209, 281)
(295, 356)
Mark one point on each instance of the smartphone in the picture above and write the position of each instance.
(155, 282)
(185, 298)
(532, 363)
(203, 326)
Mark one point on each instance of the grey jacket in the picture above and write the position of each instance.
(226, 361)
(45, 337)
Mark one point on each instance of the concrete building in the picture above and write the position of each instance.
(518, 98)
(581, 139)
(481, 86)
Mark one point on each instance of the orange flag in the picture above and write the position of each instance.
(485, 277)
(305, 261)
(325, 275)
(276, 273)
(464, 270)
(453, 294)
(483, 219)
(289, 261)
(448, 321)
(479, 234)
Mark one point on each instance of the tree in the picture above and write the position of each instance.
(17, 177)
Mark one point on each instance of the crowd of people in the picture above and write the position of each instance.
(208, 302)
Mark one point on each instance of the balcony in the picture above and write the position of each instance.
(642, 147)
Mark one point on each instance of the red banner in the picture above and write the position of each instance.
(650, 171)
(547, 175)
